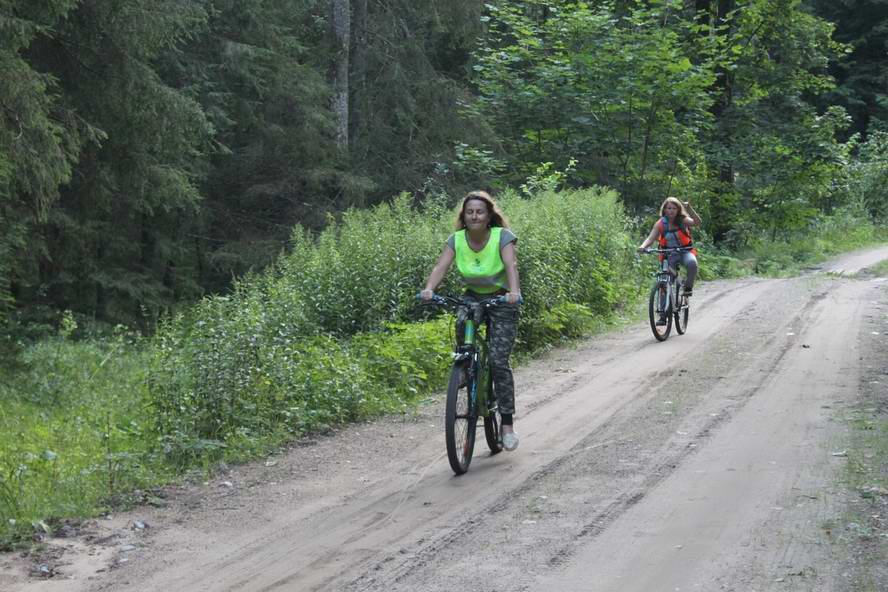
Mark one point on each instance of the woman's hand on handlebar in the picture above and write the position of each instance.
(513, 297)
(426, 294)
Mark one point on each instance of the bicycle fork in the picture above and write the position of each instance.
(471, 354)
(665, 297)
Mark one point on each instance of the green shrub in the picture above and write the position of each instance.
(365, 269)
(288, 388)
(566, 320)
(714, 265)
(573, 247)
(409, 359)
(321, 338)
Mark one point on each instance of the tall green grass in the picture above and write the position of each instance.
(75, 431)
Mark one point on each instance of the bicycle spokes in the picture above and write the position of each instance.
(659, 311)
(460, 418)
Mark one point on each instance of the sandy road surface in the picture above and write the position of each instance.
(707, 462)
(851, 263)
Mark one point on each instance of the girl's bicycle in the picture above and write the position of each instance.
(470, 391)
(667, 303)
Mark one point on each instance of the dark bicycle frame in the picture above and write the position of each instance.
(470, 357)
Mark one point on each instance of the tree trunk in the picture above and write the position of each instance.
(714, 15)
(147, 252)
(645, 146)
(703, 8)
(725, 86)
(358, 77)
(341, 23)
(725, 80)
(100, 302)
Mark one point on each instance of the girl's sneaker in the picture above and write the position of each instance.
(510, 441)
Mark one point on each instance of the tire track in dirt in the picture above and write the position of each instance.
(664, 457)
(317, 561)
(746, 509)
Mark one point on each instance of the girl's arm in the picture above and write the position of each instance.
(438, 272)
(510, 259)
(655, 232)
(694, 218)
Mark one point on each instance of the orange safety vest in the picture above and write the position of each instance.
(683, 234)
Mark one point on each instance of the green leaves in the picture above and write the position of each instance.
(322, 338)
(71, 429)
(585, 83)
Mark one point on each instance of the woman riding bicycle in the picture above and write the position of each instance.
(484, 250)
(672, 230)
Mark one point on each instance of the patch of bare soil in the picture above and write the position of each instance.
(711, 461)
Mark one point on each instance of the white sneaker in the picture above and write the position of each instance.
(510, 441)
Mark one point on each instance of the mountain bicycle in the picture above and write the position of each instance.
(470, 390)
(667, 303)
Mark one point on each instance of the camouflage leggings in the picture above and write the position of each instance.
(502, 327)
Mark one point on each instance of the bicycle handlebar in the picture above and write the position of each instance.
(669, 249)
(450, 300)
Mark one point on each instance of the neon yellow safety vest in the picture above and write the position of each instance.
(482, 271)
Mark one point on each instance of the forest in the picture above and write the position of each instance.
(216, 213)
(150, 152)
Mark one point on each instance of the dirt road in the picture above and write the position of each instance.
(707, 462)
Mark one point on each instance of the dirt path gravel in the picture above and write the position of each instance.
(707, 462)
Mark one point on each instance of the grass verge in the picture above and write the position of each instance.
(864, 531)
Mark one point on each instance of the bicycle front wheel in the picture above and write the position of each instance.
(661, 320)
(492, 423)
(681, 309)
(460, 419)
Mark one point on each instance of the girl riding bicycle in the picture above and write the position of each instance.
(484, 250)
(673, 230)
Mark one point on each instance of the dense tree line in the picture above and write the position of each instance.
(151, 150)
(861, 74)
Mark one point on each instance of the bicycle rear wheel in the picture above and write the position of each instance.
(681, 308)
(661, 332)
(460, 419)
(492, 425)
